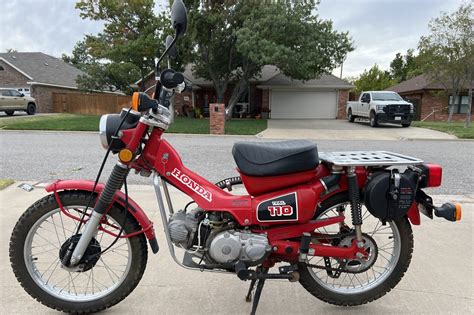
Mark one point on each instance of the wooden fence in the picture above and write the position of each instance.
(89, 104)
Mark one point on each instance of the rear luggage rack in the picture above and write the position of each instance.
(367, 158)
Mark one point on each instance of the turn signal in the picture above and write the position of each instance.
(135, 101)
(458, 212)
(125, 155)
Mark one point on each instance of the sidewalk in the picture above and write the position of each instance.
(439, 280)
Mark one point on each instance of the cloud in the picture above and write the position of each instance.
(52, 27)
(381, 28)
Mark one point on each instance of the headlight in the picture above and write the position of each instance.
(380, 107)
(412, 108)
(109, 124)
(103, 131)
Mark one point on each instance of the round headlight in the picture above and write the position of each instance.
(103, 131)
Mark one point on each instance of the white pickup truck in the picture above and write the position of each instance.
(381, 106)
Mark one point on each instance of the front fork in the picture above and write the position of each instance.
(114, 183)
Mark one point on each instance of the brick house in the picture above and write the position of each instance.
(272, 93)
(38, 75)
(431, 100)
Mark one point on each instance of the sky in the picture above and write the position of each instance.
(379, 28)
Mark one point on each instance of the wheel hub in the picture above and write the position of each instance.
(361, 264)
(88, 260)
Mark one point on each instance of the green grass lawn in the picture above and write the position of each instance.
(69, 122)
(453, 128)
(4, 183)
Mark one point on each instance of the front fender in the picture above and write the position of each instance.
(135, 210)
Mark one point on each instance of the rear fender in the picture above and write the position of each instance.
(135, 210)
(413, 214)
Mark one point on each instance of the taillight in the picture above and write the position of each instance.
(431, 175)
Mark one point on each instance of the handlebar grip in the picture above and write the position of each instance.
(171, 79)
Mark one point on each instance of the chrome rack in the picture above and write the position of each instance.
(367, 158)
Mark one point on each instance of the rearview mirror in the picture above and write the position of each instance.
(179, 17)
(173, 52)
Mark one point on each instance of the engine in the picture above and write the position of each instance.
(222, 243)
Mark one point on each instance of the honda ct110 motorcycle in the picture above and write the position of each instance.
(339, 222)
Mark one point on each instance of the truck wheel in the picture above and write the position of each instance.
(406, 125)
(373, 120)
(350, 117)
(31, 109)
(9, 112)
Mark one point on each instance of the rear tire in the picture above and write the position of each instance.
(350, 117)
(9, 112)
(373, 120)
(372, 291)
(31, 109)
(62, 300)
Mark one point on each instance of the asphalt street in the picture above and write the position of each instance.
(44, 156)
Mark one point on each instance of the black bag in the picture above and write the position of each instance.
(389, 195)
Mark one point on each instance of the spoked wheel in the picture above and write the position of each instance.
(100, 280)
(358, 281)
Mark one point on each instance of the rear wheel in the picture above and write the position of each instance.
(390, 249)
(102, 279)
(9, 112)
(373, 120)
(350, 117)
(31, 109)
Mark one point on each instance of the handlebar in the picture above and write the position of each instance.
(170, 79)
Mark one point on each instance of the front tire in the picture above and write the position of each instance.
(9, 112)
(31, 109)
(373, 120)
(36, 242)
(356, 291)
(406, 125)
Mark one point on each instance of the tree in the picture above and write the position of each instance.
(235, 39)
(125, 50)
(405, 67)
(447, 53)
(373, 80)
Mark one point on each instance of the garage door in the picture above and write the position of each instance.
(303, 105)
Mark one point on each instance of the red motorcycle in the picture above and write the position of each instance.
(339, 223)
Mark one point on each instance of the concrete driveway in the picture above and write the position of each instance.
(332, 129)
(439, 280)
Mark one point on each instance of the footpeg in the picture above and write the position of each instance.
(449, 211)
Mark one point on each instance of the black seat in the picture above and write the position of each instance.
(275, 158)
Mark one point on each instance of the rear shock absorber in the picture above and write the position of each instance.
(356, 208)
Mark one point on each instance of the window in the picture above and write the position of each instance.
(386, 97)
(461, 106)
(1, 68)
(5, 93)
(15, 93)
(365, 98)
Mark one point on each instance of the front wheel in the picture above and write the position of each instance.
(390, 248)
(373, 120)
(31, 109)
(9, 112)
(101, 280)
(406, 125)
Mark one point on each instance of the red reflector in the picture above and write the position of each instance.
(435, 174)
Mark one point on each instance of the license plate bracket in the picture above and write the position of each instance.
(398, 117)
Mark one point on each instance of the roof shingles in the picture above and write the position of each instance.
(44, 68)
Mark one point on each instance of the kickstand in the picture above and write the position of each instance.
(258, 292)
(248, 298)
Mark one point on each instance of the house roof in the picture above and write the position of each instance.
(42, 69)
(271, 77)
(324, 81)
(417, 83)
